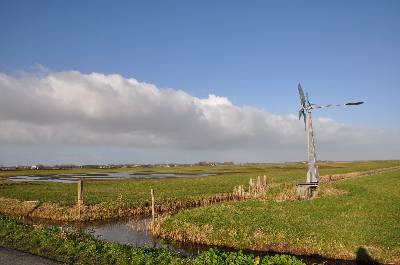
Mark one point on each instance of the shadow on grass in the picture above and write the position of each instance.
(363, 258)
(362, 255)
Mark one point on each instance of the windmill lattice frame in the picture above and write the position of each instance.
(305, 111)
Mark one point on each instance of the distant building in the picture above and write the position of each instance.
(9, 168)
(37, 167)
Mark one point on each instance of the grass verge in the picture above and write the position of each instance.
(74, 247)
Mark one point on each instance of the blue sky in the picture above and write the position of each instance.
(252, 52)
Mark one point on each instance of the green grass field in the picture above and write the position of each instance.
(366, 214)
(362, 212)
(136, 192)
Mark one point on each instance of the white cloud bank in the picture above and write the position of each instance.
(72, 108)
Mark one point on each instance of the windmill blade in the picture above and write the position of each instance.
(302, 98)
(302, 113)
(308, 99)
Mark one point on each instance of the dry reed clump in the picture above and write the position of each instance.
(256, 188)
(336, 177)
(54, 211)
(187, 232)
(329, 190)
(288, 194)
(17, 207)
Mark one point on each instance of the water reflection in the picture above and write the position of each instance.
(73, 178)
(133, 233)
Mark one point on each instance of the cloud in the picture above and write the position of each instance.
(95, 109)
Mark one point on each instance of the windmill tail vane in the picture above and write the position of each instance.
(315, 106)
(306, 105)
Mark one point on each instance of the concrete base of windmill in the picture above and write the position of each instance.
(307, 191)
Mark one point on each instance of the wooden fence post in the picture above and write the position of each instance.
(153, 211)
(250, 185)
(80, 192)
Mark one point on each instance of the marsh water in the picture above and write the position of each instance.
(130, 232)
(73, 178)
(134, 233)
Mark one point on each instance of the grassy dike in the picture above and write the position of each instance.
(74, 247)
(105, 199)
(350, 216)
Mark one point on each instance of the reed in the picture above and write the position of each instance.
(256, 189)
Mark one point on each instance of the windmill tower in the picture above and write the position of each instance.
(309, 189)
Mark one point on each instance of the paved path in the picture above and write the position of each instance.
(14, 257)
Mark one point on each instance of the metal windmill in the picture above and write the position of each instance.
(309, 188)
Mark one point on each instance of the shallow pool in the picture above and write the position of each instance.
(73, 178)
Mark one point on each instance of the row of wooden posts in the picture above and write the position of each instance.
(81, 202)
(256, 187)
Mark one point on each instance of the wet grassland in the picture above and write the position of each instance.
(105, 199)
(354, 211)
